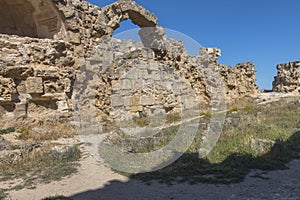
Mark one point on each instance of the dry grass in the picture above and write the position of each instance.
(38, 166)
(46, 132)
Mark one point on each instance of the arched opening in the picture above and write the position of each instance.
(127, 31)
(31, 18)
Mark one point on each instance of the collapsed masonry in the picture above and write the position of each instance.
(288, 78)
(45, 44)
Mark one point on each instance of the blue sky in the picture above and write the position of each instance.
(266, 32)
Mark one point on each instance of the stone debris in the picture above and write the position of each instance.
(61, 153)
(3, 144)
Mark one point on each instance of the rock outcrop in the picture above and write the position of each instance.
(64, 41)
(288, 78)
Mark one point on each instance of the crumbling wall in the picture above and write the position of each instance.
(38, 75)
(239, 81)
(288, 78)
(86, 23)
(35, 71)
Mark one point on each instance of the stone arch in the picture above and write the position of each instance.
(31, 18)
(128, 10)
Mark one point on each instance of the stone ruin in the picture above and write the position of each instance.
(288, 78)
(46, 43)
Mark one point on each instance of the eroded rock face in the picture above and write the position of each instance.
(30, 18)
(288, 78)
(37, 76)
(239, 80)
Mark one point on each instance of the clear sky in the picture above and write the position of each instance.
(266, 32)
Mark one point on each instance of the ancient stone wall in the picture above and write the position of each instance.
(40, 75)
(239, 80)
(35, 71)
(288, 78)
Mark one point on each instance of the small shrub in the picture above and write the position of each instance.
(46, 132)
(141, 121)
(233, 109)
(173, 117)
(249, 108)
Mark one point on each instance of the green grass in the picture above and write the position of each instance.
(6, 131)
(233, 157)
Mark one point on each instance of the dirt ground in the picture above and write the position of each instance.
(96, 181)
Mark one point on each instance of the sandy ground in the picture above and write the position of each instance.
(95, 181)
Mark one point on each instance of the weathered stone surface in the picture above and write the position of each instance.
(3, 144)
(7, 89)
(38, 75)
(20, 111)
(31, 18)
(288, 78)
(34, 85)
(239, 80)
(262, 146)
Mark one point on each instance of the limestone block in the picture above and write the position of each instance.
(135, 100)
(127, 101)
(34, 85)
(20, 110)
(117, 101)
(21, 88)
(126, 84)
(147, 100)
(62, 106)
(136, 108)
(74, 37)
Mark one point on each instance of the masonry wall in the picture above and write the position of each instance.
(288, 78)
(37, 75)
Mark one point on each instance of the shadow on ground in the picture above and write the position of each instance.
(189, 169)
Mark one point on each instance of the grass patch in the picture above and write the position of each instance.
(46, 132)
(38, 166)
(8, 130)
(173, 117)
(233, 109)
(141, 121)
(234, 156)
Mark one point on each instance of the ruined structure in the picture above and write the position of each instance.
(45, 44)
(288, 78)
